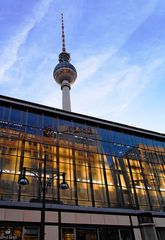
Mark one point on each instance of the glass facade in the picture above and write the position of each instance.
(97, 233)
(105, 166)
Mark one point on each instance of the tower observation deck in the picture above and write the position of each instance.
(65, 73)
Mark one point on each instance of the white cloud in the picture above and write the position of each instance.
(88, 67)
(10, 52)
(116, 89)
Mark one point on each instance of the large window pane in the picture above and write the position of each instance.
(108, 233)
(68, 234)
(86, 234)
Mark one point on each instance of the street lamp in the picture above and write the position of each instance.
(24, 181)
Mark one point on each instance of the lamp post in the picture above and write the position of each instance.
(24, 181)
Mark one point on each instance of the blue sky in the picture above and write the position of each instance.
(117, 47)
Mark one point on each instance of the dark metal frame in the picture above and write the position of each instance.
(44, 185)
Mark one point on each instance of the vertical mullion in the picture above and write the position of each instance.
(105, 180)
(133, 185)
(145, 184)
(91, 181)
(75, 175)
(58, 169)
(21, 165)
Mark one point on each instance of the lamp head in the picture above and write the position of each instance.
(64, 185)
(23, 181)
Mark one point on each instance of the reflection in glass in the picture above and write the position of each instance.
(103, 167)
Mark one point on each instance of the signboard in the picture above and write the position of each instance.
(7, 234)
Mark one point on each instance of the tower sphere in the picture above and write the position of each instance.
(65, 71)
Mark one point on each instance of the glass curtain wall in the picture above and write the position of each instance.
(104, 167)
(97, 233)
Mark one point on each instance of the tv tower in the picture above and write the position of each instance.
(65, 73)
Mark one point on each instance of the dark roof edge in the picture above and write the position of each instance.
(80, 116)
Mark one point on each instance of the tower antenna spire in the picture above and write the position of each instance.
(63, 34)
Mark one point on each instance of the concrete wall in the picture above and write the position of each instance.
(100, 219)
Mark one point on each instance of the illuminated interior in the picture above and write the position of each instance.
(104, 167)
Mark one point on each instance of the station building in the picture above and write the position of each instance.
(115, 173)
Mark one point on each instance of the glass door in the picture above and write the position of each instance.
(79, 234)
(86, 234)
(68, 234)
(125, 234)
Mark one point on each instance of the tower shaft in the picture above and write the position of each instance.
(66, 103)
